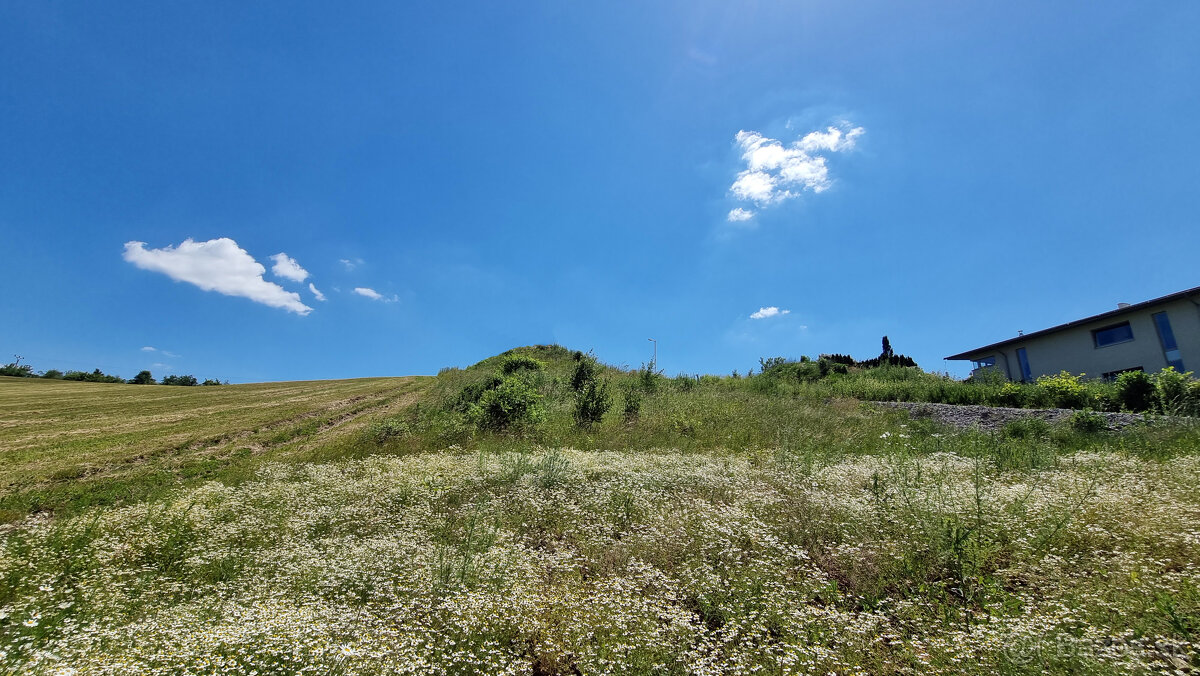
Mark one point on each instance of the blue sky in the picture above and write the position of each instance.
(501, 174)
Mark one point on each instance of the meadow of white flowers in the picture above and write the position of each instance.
(899, 560)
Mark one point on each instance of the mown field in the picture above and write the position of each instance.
(497, 520)
(67, 445)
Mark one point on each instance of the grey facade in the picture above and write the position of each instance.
(1145, 336)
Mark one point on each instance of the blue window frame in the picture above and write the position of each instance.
(1026, 374)
(1167, 337)
(1111, 335)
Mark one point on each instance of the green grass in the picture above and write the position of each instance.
(731, 526)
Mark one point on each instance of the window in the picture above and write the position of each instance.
(1026, 374)
(1112, 375)
(1111, 335)
(985, 363)
(1167, 337)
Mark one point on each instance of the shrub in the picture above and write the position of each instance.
(472, 392)
(1135, 391)
(1011, 394)
(1172, 390)
(519, 362)
(1088, 421)
(1064, 390)
(96, 376)
(591, 393)
(17, 370)
(770, 363)
(514, 403)
(188, 380)
(1193, 398)
(142, 378)
(585, 371)
(53, 374)
(648, 377)
(212, 381)
(633, 400)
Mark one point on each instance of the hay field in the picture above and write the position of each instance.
(68, 445)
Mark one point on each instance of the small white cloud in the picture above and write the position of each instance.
(287, 267)
(216, 265)
(375, 295)
(775, 172)
(350, 263)
(316, 293)
(832, 139)
(739, 215)
(155, 349)
(767, 312)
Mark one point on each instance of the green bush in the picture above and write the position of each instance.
(1064, 390)
(187, 380)
(586, 368)
(1135, 391)
(53, 374)
(471, 393)
(1171, 388)
(648, 377)
(633, 400)
(142, 378)
(96, 376)
(17, 370)
(513, 404)
(591, 392)
(1088, 421)
(1011, 395)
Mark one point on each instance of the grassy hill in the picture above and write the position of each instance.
(500, 519)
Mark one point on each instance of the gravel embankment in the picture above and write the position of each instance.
(994, 417)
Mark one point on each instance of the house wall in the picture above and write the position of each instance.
(1074, 349)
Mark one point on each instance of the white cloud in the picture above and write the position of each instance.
(216, 265)
(739, 215)
(316, 293)
(375, 295)
(287, 267)
(775, 172)
(155, 349)
(832, 139)
(349, 263)
(767, 312)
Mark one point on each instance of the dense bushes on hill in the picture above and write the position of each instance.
(19, 370)
(571, 400)
(188, 380)
(16, 369)
(96, 376)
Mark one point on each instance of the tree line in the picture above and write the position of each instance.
(18, 370)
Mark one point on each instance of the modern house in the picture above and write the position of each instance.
(1147, 336)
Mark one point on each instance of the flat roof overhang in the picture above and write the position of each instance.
(1086, 320)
